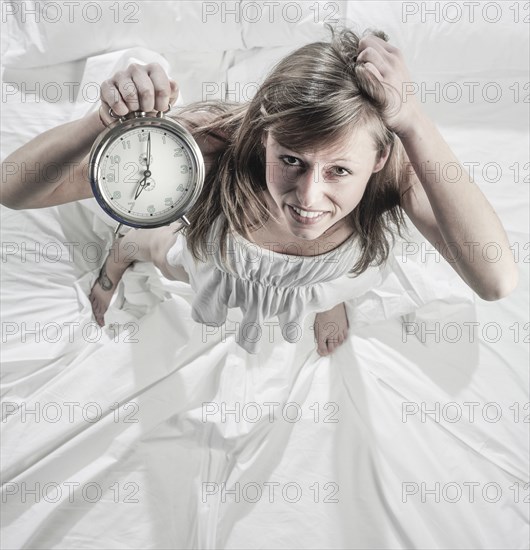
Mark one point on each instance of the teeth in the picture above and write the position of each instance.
(305, 214)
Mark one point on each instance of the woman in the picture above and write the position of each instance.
(326, 156)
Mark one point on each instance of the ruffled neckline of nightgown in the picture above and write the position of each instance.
(349, 241)
(253, 263)
(264, 283)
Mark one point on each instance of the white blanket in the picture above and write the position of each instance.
(157, 432)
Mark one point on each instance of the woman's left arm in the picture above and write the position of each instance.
(452, 209)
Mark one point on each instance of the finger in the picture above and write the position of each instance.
(322, 347)
(95, 305)
(111, 98)
(128, 91)
(161, 85)
(332, 346)
(145, 90)
(378, 43)
(375, 71)
(370, 56)
(98, 317)
(97, 314)
(174, 94)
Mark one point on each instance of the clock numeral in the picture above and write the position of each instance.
(131, 205)
(183, 169)
(168, 201)
(115, 159)
(110, 178)
(131, 169)
(151, 209)
(181, 188)
(116, 195)
(143, 136)
(178, 152)
(126, 144)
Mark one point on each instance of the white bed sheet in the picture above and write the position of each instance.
(159, 465)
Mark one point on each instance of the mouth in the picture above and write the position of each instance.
(305, 217)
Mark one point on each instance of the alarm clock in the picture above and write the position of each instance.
(146, 171)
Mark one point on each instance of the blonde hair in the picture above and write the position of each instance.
(314, 97)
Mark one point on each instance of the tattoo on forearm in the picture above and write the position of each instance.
(104, 281)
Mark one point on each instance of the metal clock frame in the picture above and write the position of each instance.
(139, 119)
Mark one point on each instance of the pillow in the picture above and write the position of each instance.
(270, 24)
(491, 37)
(49, 32)
(249, 69)
(200, 75)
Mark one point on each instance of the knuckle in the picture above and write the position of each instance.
(130, 95)
(113, 100)
(161, 92)
(138, 70)
(154, 66)
(144, 93)
(131, 101)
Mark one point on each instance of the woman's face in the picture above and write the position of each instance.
(326, 184)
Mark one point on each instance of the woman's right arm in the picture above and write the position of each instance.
(52, 168)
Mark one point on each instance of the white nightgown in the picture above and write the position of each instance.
(268, 284)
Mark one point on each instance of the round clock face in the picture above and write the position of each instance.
(147, 174)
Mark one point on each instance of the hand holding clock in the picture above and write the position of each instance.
(134, 102)
(144, 88)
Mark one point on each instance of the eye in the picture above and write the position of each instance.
(289, 160)
(345, 172)
(284, 158)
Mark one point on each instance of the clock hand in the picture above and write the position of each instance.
(142, 184)
(148, 159)
(147, 173)
(139, 184)
(139, 189)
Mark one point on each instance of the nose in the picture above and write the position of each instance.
(309, 188)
